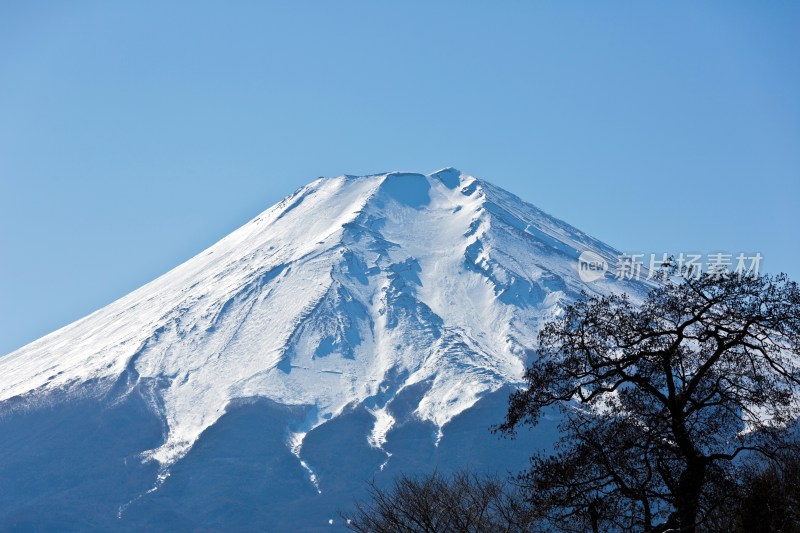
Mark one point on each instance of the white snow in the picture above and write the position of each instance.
(345, 293)
(383, 423)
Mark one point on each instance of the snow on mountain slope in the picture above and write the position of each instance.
(345, 293)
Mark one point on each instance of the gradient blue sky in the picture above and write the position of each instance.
(133, 135)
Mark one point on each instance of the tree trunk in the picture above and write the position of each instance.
(687, 501)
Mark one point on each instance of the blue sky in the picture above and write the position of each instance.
(133, 135)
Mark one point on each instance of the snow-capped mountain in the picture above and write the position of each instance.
(403, 297)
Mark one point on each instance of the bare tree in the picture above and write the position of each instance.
(767, 499)
(659, 400)
(461, 503)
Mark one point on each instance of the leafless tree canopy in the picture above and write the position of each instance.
(461, 503)
(659, 400)
(767, 499)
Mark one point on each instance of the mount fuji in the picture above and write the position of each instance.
(362, 327)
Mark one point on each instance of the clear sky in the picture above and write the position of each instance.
(133, 135)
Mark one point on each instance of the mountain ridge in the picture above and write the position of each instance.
(347, 292)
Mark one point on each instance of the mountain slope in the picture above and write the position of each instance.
(352, 293)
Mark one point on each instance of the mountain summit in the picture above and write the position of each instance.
(401, 296)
